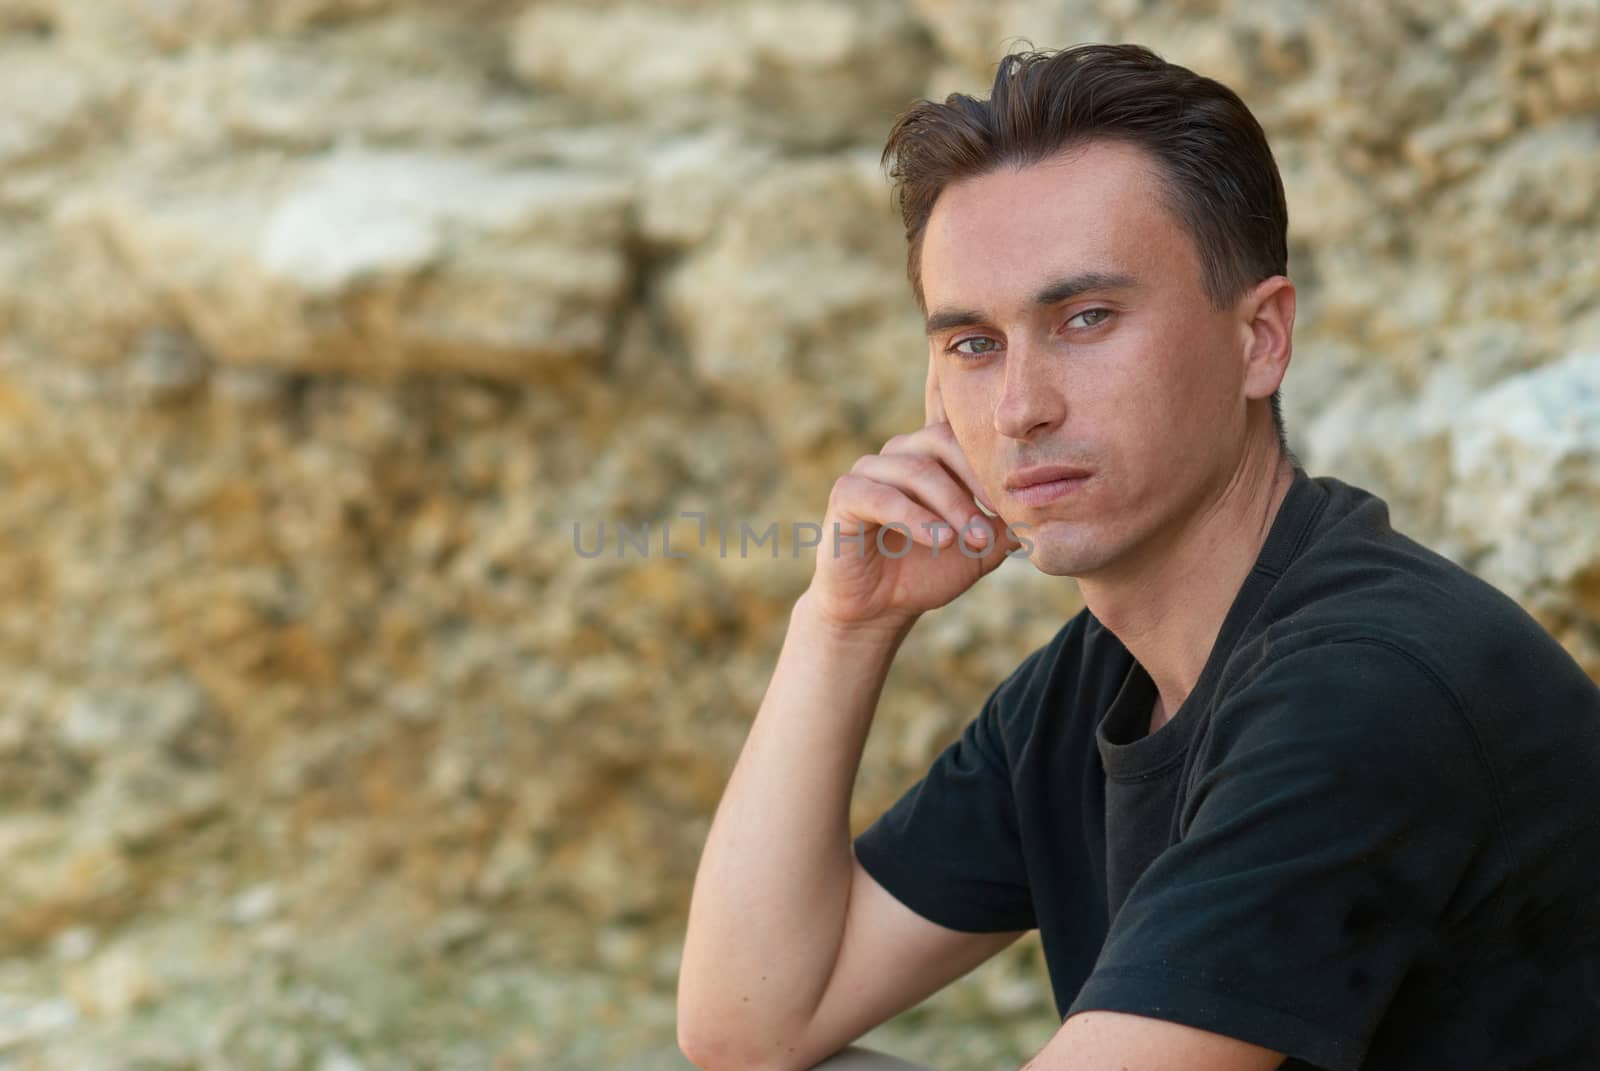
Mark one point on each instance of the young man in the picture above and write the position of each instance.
(1292, 790)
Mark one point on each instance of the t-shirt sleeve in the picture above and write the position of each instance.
(1340, 803)
(948, 849)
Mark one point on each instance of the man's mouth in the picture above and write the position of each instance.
(1038, 484)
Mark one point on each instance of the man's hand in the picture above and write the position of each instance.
(920, 484)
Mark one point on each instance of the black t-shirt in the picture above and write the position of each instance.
(1369, 838)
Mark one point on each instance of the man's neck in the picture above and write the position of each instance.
(1169, 612)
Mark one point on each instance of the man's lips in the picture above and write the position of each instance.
(1041, 474)
(1041, 484)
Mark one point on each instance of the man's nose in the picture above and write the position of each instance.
(1029, 401)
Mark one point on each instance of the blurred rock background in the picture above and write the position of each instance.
(325, 321)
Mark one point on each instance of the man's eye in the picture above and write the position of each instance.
(956, 347)
(1096, 317)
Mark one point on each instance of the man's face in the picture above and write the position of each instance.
(1135, 379)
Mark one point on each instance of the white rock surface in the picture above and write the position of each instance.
(1525, 491)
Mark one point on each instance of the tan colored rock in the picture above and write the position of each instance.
(688, 183)
(48, 106)
(27, 17)
(1525, 462)
(143, 801)
(800, 308)
(810, 73)
(173, 25)
(321, 322)
(113, 985)
(382, 262)
(973, 32)
(59, 874)
(310, 94)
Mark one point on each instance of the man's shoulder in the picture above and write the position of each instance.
(1387, 654)
(1359, 580)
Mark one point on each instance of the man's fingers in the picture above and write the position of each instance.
(934, 417)
(926, 480)
(868, 503)
(932, 401)
(940, 441)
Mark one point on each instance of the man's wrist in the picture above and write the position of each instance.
(884, 633)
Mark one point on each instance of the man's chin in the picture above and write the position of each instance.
(1052, 559)
(1060, 549)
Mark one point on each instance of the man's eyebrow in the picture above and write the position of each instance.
(1050, 294)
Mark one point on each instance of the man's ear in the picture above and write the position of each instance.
(1267, 316)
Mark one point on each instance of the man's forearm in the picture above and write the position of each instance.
(772, 890)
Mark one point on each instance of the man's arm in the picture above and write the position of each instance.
(793, 951)
(1113, 1041)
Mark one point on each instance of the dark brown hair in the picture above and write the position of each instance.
(1221, 180)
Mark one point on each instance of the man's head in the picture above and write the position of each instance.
(1100, 249)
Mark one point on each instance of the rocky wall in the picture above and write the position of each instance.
(323, 322)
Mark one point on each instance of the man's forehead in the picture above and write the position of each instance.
(1020, 235)
(1095, 177)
